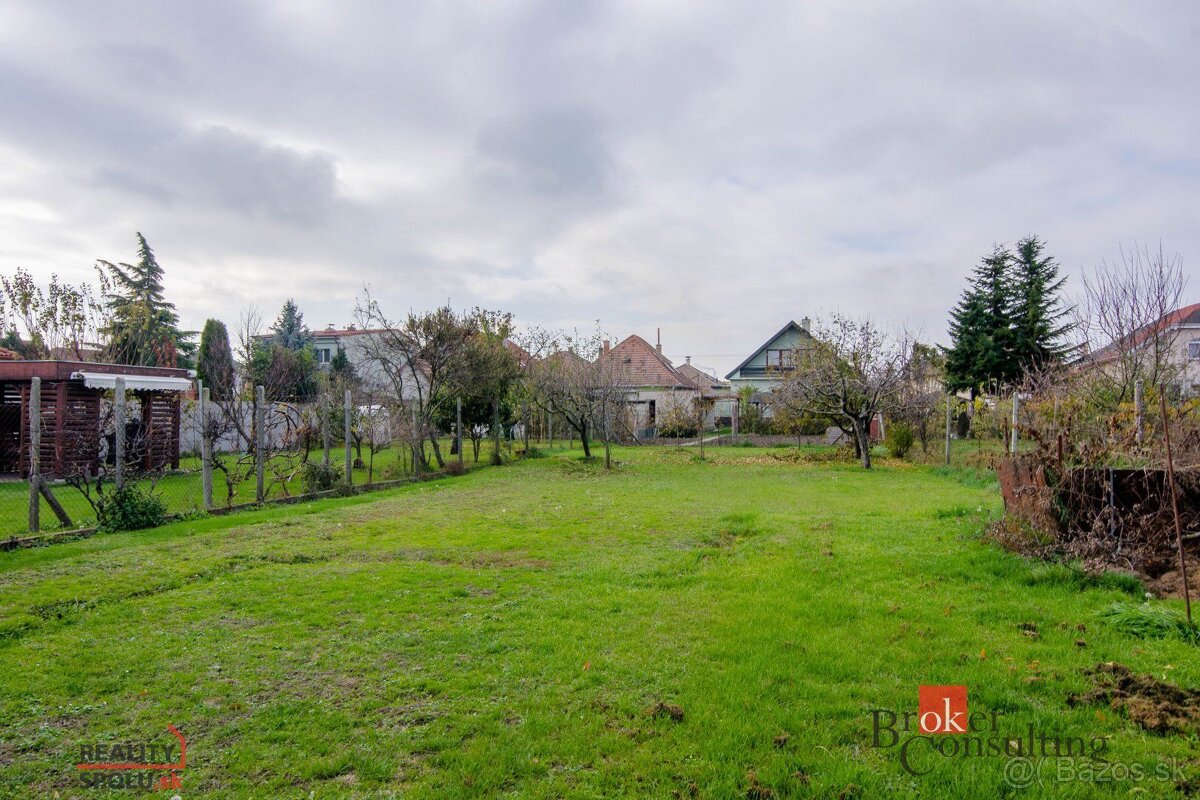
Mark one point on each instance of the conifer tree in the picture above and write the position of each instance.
(214, 360)
(289, 329)
(144, 327)
(1038, 316)
(981, 328)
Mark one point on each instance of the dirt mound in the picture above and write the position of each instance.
(1154, 705)
(1170, 584)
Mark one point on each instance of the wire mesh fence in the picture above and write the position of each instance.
(128, 457)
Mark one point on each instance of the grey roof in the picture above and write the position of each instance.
(791, 325)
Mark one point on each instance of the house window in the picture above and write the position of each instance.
(322, 355)
(1194, 350)
(779, 359)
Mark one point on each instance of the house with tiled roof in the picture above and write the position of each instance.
(778, 354)
(651, 383)
(1178, 332)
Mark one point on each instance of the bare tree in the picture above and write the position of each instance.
(232, 426)
(924, 391)
(64, 321)
(416, 360)
(853, 371)
(488, 368)
(1125, 311)
(567, 377)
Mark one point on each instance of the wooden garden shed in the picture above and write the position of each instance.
(73, 403)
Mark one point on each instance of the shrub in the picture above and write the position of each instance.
(455, 468)
(677, 430)
(898, 439)
(320, 477)
(130, 509)
(838, 454)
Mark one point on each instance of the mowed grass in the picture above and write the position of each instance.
(535, 631)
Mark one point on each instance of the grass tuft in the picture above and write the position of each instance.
(1075, 578)
(1150, 621)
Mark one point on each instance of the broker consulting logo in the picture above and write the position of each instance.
(944, 728)
(134, 764)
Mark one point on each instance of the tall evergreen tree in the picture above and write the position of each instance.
(289, 329)
(214, 359)
(145, 327)
(1038, 316)
(981, 328)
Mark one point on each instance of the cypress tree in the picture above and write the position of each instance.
(214, 359)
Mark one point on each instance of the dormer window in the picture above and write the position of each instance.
(779, 359)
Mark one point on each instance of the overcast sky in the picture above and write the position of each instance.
(711, 169)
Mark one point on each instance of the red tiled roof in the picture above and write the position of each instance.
(700, 378)
(327, 332)
(520, 352)
(1187, 314)
(643, 365)
(9, 355)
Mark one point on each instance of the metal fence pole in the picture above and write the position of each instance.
(260, 441)
(947, 430)
(349, 461)
(119, 429)
(35, 453)
(206, 445)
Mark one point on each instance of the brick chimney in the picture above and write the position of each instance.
(605, 346)
(806, 323)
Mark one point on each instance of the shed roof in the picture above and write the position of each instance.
(65, 370)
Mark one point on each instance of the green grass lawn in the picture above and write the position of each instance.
(673, 628)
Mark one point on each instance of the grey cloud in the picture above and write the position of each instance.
(707, 167)
(559, 155)
(236, 172)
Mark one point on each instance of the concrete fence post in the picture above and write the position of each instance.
(1139, 412)
(35, 453)
(349, 460)
(1016, 400)
(947, 430)
(206, 446)
(260, 442)
(458, 427)
(119, 429)
(326, 432)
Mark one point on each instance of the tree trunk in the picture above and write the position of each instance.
(437, 450)
(525, 424)
(862, 435)
(607, 446)
(496, 460)
(583, 437)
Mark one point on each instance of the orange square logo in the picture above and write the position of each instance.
(942, 709)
